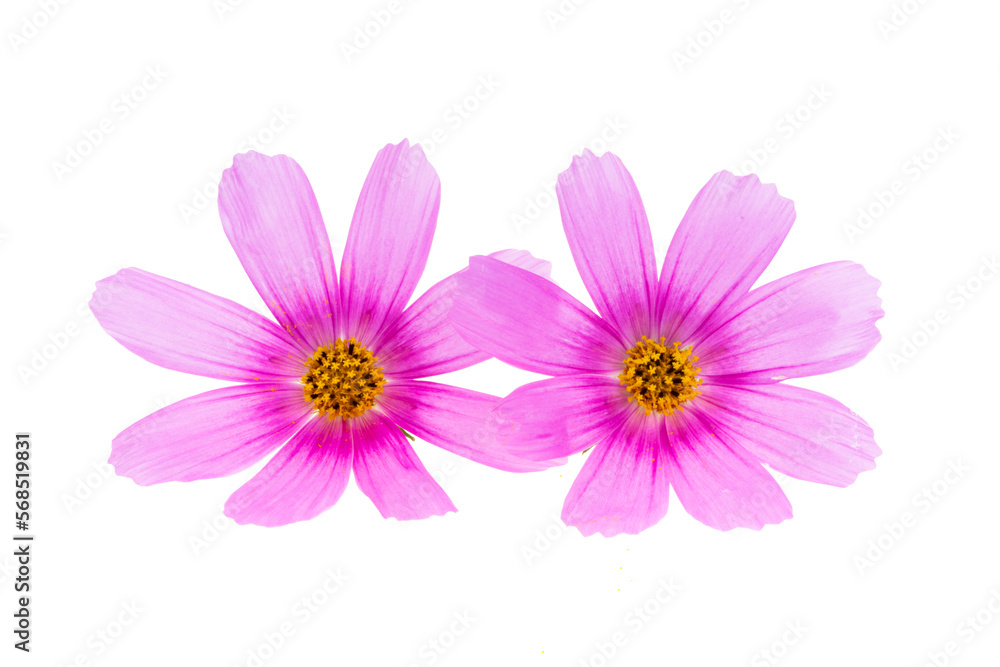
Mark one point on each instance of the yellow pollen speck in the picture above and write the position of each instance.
(342, 379)
(659, 377)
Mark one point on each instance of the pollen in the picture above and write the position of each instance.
(660, 377)
(342, 379)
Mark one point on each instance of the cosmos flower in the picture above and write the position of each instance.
(678, 381)
(337, 378)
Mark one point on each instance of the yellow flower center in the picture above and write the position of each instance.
(659, 377)
(343, 379)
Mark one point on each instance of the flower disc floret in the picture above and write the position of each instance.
(343, 379)
(660, 378)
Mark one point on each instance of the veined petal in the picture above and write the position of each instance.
(214, 434)
(304, 479)
(187, 329)
(423, 342)
(798, 432)
(523, 259)
(624, 486)
(389, 239)
(270, 214)
(718, 482)
(390, 474)
(459, 420)
(815, 321)
(531, 323)
(612, 245)
(554, 418)
(726, 239)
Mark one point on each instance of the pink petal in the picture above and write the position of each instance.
(718, 482)
(389, 472)
(561, 416)
(612, 245)
(304, 479)
(423, 342)
(389, 239)
(815, 321)
(529, 322)
(624, 485)
(524, 260)
(798, 432)
(727, 238)
(458, 420)
(273, 222)
(214, 434)
(186, 329)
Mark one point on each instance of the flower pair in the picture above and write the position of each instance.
(676, 382)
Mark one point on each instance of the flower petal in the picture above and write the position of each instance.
(186, 329)
(798, 432)
(524, 260)
(624, 486)
(389, 239)
(726, 239)
(214, 434)
(270, 214)
(304, 479)
(612, 245)
(815, 321)
(530, 322)
(561, 416)
(389, 472)
(718, 482)
(423, 342)
(459, 420)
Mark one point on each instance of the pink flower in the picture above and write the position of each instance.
(678, 381)
(337, 377)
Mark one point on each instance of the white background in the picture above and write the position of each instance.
(858, 594)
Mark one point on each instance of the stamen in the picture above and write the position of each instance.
(659, 377)
(342, 379)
